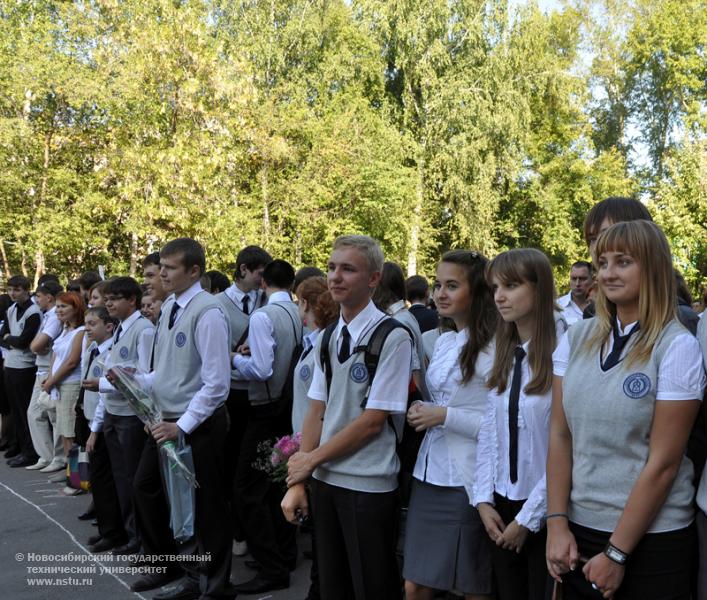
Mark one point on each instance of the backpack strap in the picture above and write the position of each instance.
(324, 357)
(294, 330)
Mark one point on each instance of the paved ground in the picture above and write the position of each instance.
(39, 532)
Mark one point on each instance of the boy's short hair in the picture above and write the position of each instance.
(615, 208)
(125, 287)
(47, 277)
(151, 259)
(582, 264)
(279, 274)
(219, 281)
(88, 279)
(102, 313)
(19, 281)
(252, 257)
(416, 288)
(306, 273)
(366, 245)
(192, 252)
(50, 288)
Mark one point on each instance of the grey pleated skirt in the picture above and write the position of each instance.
(445, 541)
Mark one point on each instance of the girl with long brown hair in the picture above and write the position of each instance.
(625, 396)
(510, 479)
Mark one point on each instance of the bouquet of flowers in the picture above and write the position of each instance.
(274, 454)
(146, 409)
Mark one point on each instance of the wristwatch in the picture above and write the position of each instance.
(616, 555)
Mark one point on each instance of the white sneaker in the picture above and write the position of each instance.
(40, 464)
(53, 466)
(69, 491)
(240, 548)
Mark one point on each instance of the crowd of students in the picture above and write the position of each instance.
(504, 444)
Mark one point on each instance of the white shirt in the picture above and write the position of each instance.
(62, 350)
(394, 310)
(570, 311)
(680, 376)
(236, 295)
(98, 417)
(389, 390)
(493, 469)
(144, 349)
(435, 460)
(261, 340)
(213, 344)
(51, 327)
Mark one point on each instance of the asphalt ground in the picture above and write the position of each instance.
(44, 555)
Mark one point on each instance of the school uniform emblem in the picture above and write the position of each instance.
(124, 352)
(637, 385)
(96, 371)
(359, 372)
(181, 339)
(305, 372)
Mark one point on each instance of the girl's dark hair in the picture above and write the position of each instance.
(482, 316)
(615, 208)
(391, 288)
(526, 265)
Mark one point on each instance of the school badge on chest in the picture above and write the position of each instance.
(124, 352)
(359, 372)
(180, 339)
(96, 371)
(305, 372)
(637, 385)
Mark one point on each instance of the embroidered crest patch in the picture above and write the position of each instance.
(359, 372)
(180, 339)
(305, 372)
(96, 371)
(637, 385)
(124, 352)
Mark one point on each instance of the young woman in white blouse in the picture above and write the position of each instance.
(64, 380)
(626, 393)
(445, 546)
(512, 450)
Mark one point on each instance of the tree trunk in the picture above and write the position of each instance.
(416, 222)
(266, 208)
(40, 267)
(5, 262)
(133, 254)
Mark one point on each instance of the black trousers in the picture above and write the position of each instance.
(271, 539)
(355, 545)
(519, 576)
(659, 568)
(19, 384)
(105, 496)
(211, 521)
(238, 409)
(125, 438)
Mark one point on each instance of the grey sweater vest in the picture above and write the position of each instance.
(43, 361)
(302, 380)
(90, 398)
(14, 357)
(282, 315)
(610, 416)
(375, 466)
(237, 324)
(177, 366)
(125, 351)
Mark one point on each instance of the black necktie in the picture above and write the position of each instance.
(513, 402)
(82, 391)
(173, 315)
(245, 303)
(620, 342)
(117, 333)
(345, 350)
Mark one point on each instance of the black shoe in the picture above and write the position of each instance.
(94, 539)
(4, 446)
(184, 590)
(87, 516)
(129, 548)
(104, 544)
(20, 461)
(253, 564)
(12, 452)
(156, 580)
(259, 584)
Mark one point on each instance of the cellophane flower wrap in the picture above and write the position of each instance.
(273, 455)
(147, 410)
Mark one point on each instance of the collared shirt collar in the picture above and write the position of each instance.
(310, 339)
(361, 322)
(127, 323)
(187, 296)
(236, 294)
(624, 330)
(279, 297)
(461, 337)
(396, 307)
(564, 301)
(102, 347)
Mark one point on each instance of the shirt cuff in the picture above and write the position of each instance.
(104, 386)
(96, 427)
(188, 423)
